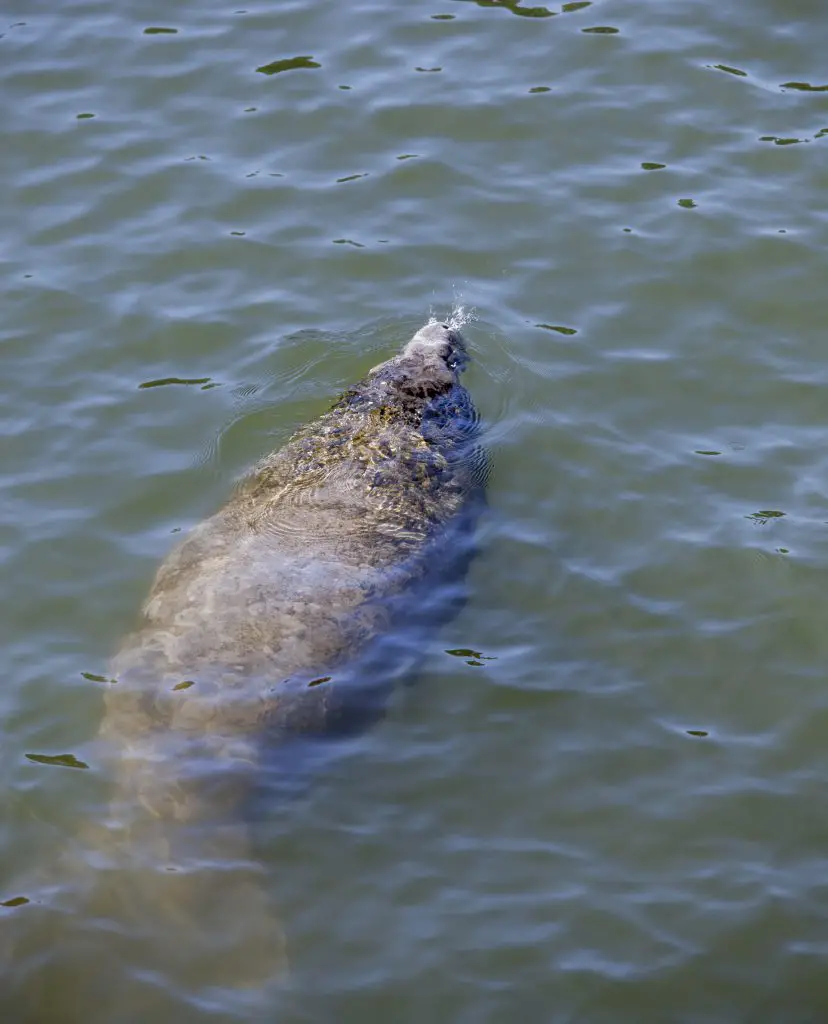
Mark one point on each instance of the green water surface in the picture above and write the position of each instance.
(605, 801)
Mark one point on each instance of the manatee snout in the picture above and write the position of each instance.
(440, 340)
(437, 354)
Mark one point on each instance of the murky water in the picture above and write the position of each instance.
(603, 801)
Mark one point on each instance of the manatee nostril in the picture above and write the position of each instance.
(445, 326)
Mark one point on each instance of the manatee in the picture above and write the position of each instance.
(284, 618)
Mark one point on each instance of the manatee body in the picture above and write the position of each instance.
(283, 616)
(269, 618)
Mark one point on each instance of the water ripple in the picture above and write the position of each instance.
(601, 796)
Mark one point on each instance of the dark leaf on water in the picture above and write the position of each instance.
(804, 87)
(173, 380)
(778, 140)
(764, 514)
(61, 760)
(15, 901)
(515, 8)
(730, 70)
(475, 657)
(288, 64)
(557, 329)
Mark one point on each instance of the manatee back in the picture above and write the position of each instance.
(358, 523)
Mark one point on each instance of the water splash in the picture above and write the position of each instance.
(459, 317)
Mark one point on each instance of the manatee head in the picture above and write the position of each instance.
(430, 363)
(438, 341)
(434, 358)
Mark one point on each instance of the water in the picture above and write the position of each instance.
(614, 813)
